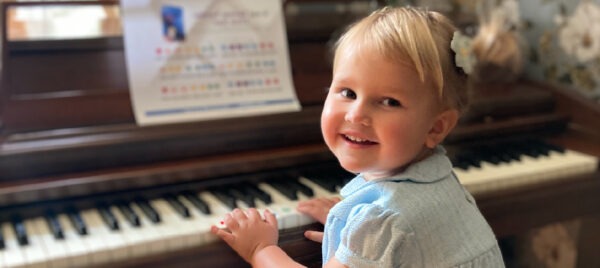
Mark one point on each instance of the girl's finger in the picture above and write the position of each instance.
(270, 218)
(239, 214)
(314, 236)
(231, 222)
(226, 236)
(253, 214)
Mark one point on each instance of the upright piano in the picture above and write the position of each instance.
(82, 185)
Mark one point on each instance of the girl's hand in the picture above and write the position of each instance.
(247, 232)
(317, 208)
(315, 236)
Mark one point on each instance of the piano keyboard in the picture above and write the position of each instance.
(120, 230)
(515, 164)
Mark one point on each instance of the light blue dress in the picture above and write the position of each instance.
(422, 217)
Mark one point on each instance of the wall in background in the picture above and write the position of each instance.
(561, 37)
(564, 42)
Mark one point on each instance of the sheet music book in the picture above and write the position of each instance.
(190, 60)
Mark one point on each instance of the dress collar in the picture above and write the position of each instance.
(431, 169)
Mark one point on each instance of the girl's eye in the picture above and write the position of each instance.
(391, 102)
(348, 93)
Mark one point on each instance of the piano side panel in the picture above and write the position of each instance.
(516, 211)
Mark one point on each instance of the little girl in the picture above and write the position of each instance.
(396, 94)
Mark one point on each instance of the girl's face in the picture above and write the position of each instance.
(378, 115)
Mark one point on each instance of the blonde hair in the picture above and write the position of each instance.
(421, 38)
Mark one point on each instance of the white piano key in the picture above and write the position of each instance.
(137, 243)
(284, 208)
(35, 253)
(12, 254)
(148, 230)
(77, 248)
(56, 250)
(319, 192)
(198, 225)
(187, 226)
(98, 249)
(111, 245)
(218, 209)
(174, 234)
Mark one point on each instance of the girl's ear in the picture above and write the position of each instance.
(443, 124)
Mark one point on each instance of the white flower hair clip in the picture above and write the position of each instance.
(464, 57)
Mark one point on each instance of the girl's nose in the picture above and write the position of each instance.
(358, 114)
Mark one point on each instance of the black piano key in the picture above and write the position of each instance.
(504, 157)
(179, 207)
(108, 217)
(527, 148)
(54, 225)
(555, 148)
(20, 231)
(284, 189)
(77, 221)
(475, 159)
(513, 154)
(322, 181)
(533, 152)
(258, 193)
(340, 177)
(200, 204)
(540, 147)
(470, 157)
(307, 191)
(2, 245)
(129, 214)
(224, 197)
(148, 209)
(347, 177)
(492, 159)
(462, 165)
(475, 162)
(239, 195)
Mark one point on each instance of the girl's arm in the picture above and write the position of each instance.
(273, 256)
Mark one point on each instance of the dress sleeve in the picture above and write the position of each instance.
(376, 237)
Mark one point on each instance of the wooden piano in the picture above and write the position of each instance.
(71, 153)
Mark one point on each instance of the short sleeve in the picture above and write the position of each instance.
(376, 237)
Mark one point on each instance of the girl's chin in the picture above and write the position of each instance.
(351, 166)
